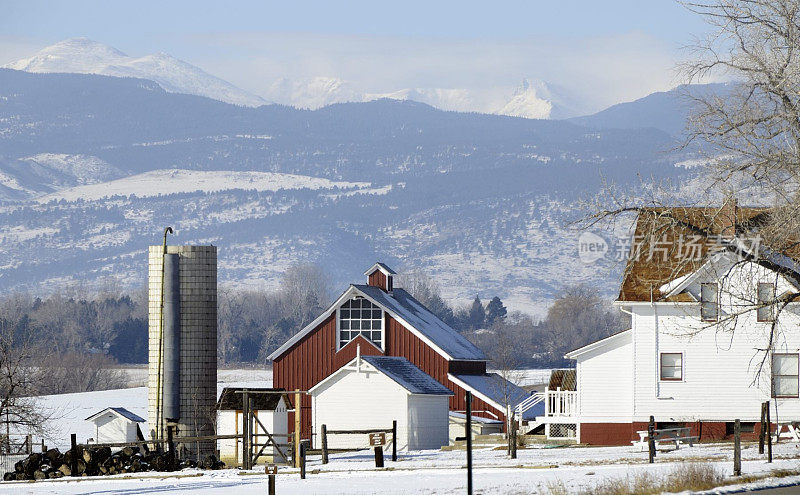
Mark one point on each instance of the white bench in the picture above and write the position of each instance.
(676, 436)
(792, 432)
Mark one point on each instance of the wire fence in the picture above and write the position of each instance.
(13, 449)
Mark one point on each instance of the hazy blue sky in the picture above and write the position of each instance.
(609, 50)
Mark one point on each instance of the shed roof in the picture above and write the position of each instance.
(495, 389)
(231, 400)
(120, 411)
(402, 371)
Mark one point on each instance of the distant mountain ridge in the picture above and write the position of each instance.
(482, 203)
(84, 56)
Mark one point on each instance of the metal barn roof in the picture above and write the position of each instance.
(497, 390)
(402, 371)
(421, 319)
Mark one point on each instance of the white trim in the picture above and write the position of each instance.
(596, 344)
(111, 409)
(353, 289)
(377, 266)
(352, 365)
(311, 326)
(476, 393)
(382, 347)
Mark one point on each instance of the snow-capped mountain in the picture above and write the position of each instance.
(84, 56)
(313, 93)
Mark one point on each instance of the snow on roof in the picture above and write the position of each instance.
(121, 411)
(475, 419)
(407, 375)
(497, 390)
(402, 304)
(382, 267)
(231, 400)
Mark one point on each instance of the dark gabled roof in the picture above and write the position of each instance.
(498, 389)
(119, 410)
(665, 228)
(402, 371)
(418, 316)
(230, 400)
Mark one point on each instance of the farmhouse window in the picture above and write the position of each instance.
(766, 299)
(360, 316)
(784, 375)
(709, 302)
(671, 366)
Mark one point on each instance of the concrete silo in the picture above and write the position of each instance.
(182, 371)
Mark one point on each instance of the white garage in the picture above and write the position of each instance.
(372, 391)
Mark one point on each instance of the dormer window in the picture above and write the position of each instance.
(360, 316)
(709, 302)
(766, 301)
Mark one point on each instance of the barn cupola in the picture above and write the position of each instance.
(381, 276)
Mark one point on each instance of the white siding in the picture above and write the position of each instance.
(605, 382)
(357, 401)
(428, 421)
(721, 362)
(112, 428)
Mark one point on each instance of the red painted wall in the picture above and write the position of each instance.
(624, 433)
(314, 358)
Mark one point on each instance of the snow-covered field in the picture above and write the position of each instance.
(537, 468)
(436, 472)
(162, 182)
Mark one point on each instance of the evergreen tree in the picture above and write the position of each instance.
(495, 310)
(476, 318)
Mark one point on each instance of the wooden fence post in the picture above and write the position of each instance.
(762, 432)
(29, 444)
(298, 406)
(468, 427)
(246, 458)
(302, 460)
(73, 440)
(324, 441)
(737, 448)
(171, 447)
(394, 440)
(651, 439)
(513, 426)
(379, 457)
(769, 436)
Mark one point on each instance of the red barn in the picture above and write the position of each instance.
(384, 320)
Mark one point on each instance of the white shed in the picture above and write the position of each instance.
(271, 409)
(372, 391)
(115, 425)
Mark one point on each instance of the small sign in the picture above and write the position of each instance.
(377, 439)
(271, 469)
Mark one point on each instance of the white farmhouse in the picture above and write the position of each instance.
(707, 343)
(115, 425)
(370, 392)
(270, 408)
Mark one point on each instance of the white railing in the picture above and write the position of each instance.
(528, 403)
(560, 403)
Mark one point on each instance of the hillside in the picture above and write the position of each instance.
(481, 202)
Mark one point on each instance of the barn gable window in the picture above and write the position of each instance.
(360, 316)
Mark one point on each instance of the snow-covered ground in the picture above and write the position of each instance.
(162, 182)
(436, 472)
